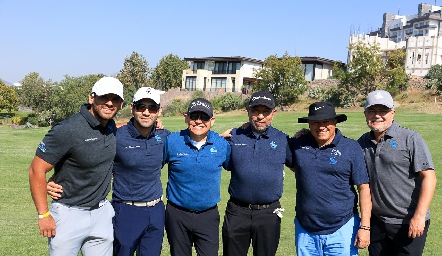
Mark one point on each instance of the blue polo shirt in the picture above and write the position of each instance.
(137, 164)
(325, 178)
(257, 165)
(195, 175)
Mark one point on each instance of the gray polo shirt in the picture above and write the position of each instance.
(394, 165)
(82, 152)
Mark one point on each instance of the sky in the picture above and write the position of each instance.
(81, 37)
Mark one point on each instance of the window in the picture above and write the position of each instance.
(218, 84)
(233, 67)
(191, 83)
(220, 67)
(197, 65)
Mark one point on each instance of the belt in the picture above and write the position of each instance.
(252, 206)
(88, 208)
(145, 204)
(189, 210)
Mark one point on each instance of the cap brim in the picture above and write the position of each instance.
(339, 118)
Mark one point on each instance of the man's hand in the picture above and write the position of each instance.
(47, 226)
(226, 134)
(362, 239)
(416, 228)
(54, 190)
(159, 124)
(301, 132)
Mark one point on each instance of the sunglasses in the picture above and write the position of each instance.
(202, 116)
(152, 108)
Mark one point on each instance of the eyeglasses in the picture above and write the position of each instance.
(198, 115)
(381, 112)
(152, 108)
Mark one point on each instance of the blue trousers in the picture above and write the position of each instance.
(138, 228)
(339, 243)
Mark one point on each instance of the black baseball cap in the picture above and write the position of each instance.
(263, 98)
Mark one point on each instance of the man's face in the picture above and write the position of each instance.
(105, 107)
(199, 123)
(324, 131)
(379, 118)
(145, 112)
(260, 117)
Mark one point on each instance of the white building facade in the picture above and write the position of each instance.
(237, 74)
(419, 34)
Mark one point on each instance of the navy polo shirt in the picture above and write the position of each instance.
(195, 175)
(325, 178)
(257, 165)
(82, 152)
(137, 165)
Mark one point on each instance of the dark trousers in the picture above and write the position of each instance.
(243, 225)
(138, 228)
(393, 240)
(186, 228)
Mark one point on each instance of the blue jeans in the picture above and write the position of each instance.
(339, 243)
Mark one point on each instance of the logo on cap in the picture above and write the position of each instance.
(378, 96)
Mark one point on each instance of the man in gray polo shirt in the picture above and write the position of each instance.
(81, 150)
(402, 180)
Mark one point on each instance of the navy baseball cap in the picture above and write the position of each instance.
(263, 98)
(201, 105)
(322, 111)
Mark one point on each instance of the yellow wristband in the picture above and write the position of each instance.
(41, 216)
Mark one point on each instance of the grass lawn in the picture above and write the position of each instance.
(18, 225)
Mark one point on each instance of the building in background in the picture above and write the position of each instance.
(236, 74)
(420, 35)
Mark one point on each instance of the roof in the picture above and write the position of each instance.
(232, 58)
(316, 60)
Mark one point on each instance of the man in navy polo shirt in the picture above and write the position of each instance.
(259, 152)
(137, 189)
(328, 166)
(81, 151)
(195, 157)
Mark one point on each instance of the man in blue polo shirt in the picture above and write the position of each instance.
(81, 151)
(328, 166)
(259, 152)
(137, 189)
(195, 157)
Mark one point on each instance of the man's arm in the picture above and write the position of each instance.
(417, 222)
(363, 236)
(37, 182)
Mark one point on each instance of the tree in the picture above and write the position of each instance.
(37, 94)
(283, 77)
(367, 72)
(168, 73)
(70, 93)
(134, 75)
(8, 97)
(395, 76)
(435, 78)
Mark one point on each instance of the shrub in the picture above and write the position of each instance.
(316, 93)
(227, 102)
(177, 107)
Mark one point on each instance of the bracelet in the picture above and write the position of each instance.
(364, 227)
(41, 216)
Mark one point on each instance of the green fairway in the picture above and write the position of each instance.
(18, 223)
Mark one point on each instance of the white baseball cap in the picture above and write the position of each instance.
(107, 85)
(147, 93)
(379, 97)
